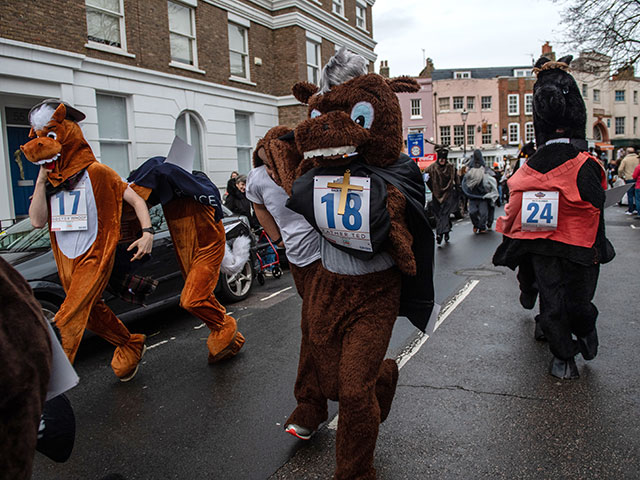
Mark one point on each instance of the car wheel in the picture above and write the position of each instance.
(49, 309)
(236, 287)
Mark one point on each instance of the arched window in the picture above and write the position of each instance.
(188, 129)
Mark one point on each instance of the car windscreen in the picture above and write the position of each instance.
(22, 237)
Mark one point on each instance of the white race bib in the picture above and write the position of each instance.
(351, 228)
(69, 209)
(539, 211)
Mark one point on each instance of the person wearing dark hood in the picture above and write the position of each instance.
(553, 226)
(527, 150)
(238, 202)
(480, 186)
(442, 181)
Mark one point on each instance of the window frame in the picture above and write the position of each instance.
(529, 132)
(620, 98)
(471, 134)
(340, 11)
(442, 100)
(596, 95)
(516, 111)
(619, 122)
(528, 103)
(416, 108)
(191, 116)
(482, 103)
(585, 91)
(318, 46)
(458, 135)
(192, 37)
(249, 146)
(244, 55)
(460, 100)
(363, 7)
(127, 142)
(517, 132)
(461, 74)
(121, 26)
(488, 134)
(471, 103)
(522, 72)
(445, 133)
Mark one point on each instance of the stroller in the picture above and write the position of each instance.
(267, 255)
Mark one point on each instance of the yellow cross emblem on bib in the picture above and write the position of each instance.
(344, 190)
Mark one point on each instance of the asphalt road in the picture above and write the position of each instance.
(181, 418)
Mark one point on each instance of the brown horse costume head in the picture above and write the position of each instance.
(58, 142)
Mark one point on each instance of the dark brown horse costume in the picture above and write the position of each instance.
(354, 134)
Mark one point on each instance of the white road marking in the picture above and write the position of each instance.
(157, 344)
(199, 326)
(275, 293)
(404, 357)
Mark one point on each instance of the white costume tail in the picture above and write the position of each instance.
(236, 256)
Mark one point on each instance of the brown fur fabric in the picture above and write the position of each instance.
(25, 354)
(347, 320)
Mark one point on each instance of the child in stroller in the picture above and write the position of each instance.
(267, 255)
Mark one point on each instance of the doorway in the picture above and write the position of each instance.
(23, 172)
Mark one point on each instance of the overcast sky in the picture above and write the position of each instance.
(463, 33)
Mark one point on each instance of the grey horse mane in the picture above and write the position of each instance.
(340, 68)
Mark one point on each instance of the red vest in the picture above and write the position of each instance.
(577, 220)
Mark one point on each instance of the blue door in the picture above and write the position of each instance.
(23, 172)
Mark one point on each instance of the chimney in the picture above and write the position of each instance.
(384, 68)
(625, 73)
(547, 51)
(428, 69)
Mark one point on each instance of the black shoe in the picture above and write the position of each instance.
(538, 333)
(528, 300)
(446, 237)
(588, 345)
(438, 239)
(565, 369)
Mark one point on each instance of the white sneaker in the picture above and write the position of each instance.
(628, 213)
(298, 431)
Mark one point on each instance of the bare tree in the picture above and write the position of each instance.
(610, 27)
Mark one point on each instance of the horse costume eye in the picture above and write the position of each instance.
(565, 90)
(314, 113)
(52, 135)
(362, 114)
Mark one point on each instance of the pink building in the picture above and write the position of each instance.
(417, 112)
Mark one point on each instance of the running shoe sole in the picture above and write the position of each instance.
(135, 370)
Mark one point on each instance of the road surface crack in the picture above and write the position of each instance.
(478, 392)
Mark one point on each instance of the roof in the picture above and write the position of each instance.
(486, 72)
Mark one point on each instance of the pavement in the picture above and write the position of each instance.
(476, 400)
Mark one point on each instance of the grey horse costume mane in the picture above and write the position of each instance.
(340, 68)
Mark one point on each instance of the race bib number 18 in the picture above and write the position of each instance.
(69, 210)
(341, 207)
(539, 211)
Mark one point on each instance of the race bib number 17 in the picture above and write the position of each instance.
(539, 211)
(341, 208)
(69, 210)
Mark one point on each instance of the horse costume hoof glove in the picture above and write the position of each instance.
(565, 369)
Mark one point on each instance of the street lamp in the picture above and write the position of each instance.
(464, 114)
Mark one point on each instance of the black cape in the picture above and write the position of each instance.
(167, 181)
(417, 295)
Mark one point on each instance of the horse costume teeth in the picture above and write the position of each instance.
(330, 152)
(48, 160)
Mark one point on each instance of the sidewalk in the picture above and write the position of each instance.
(476, 400)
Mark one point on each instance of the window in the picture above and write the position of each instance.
(182, 34)
(619, 96)
(243, 142)
(513, 104)
(529, 132)
(596, 95)
(619, 126)
(458, 134)
(113, 132)
(313, 62)
(444, 105)
(485, 102)
(461, 74)
(338, 7)
(188, 129)
(635, 97)
(445, 135)
(458, 103)
(416, 108)
(486, 134)
(239, 50)
(522, 72)
(635, 125)
(528, 103)
(361, 15)
(471, 134)
(471, 103)
(585, 90)
(514, 133)
(105, 22)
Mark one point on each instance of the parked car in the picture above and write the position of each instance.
(29, 250)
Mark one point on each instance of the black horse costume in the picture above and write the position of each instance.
(553, 227)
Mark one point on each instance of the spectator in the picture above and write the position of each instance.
(231, 183)
(636, 178)
(625, 172)
(238, 203)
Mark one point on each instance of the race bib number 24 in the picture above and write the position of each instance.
(539, 211)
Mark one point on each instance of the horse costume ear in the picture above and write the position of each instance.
(541, 61)
(403, 84)
(303, 91)
(566, 59)
(60, 114)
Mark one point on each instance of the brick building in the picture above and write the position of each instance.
(218, 73)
